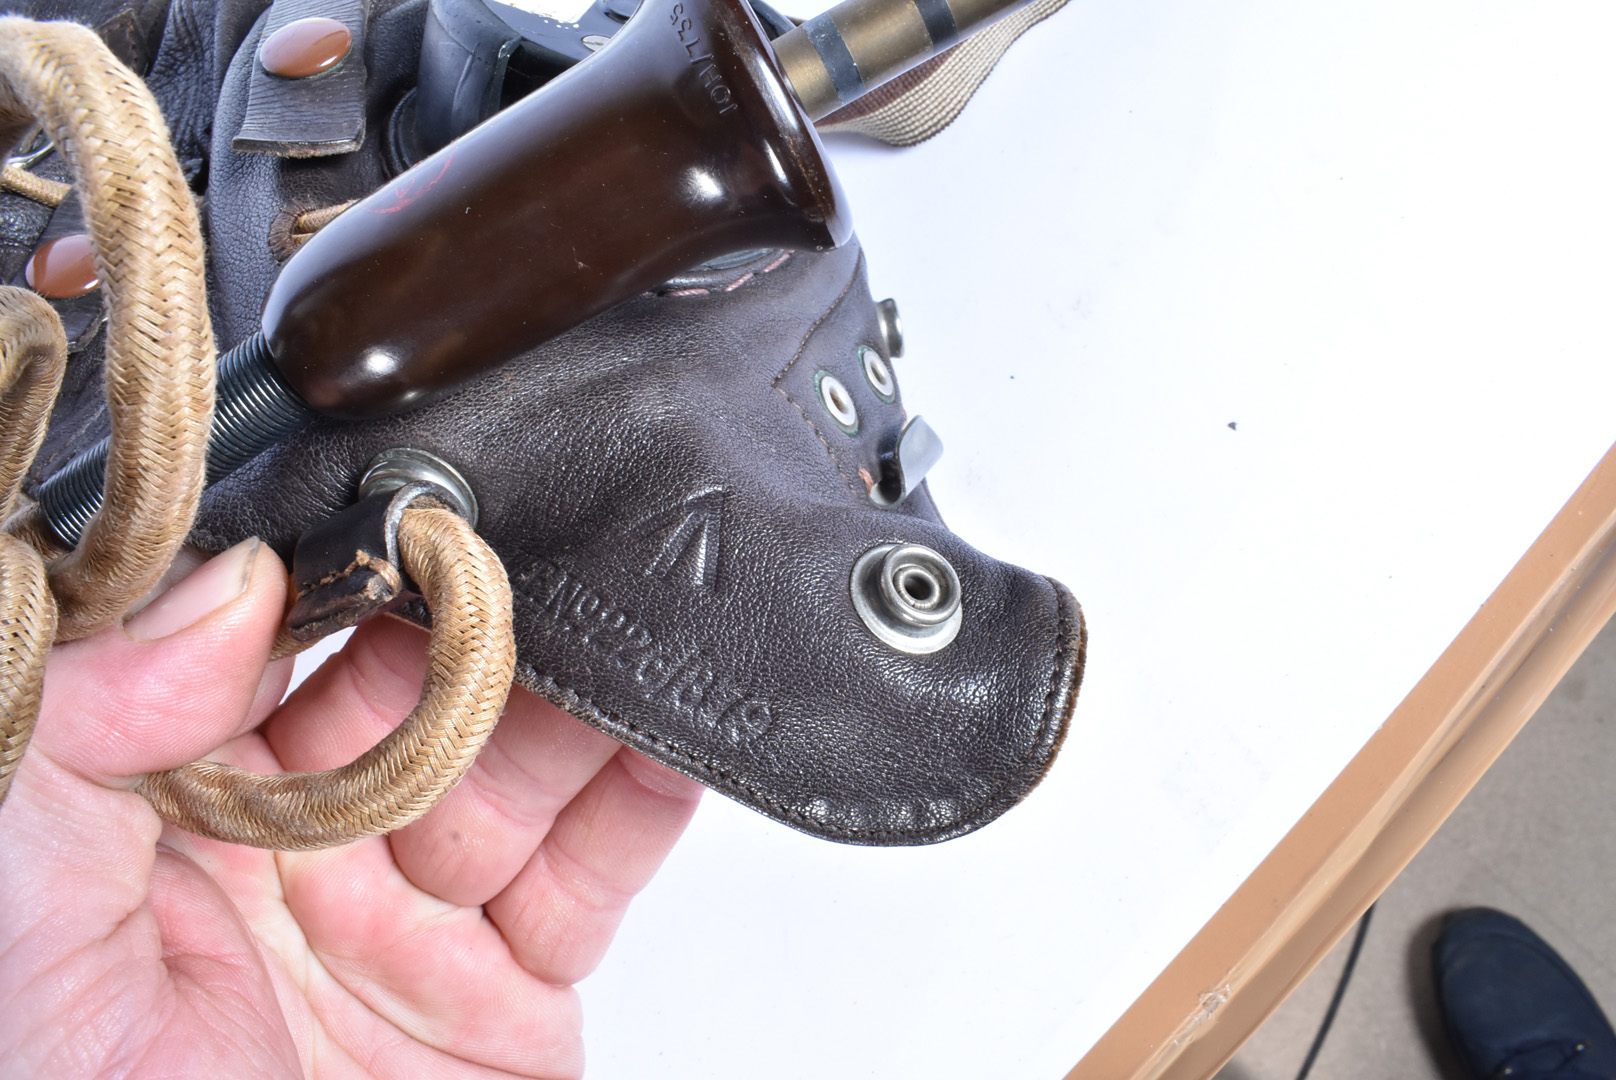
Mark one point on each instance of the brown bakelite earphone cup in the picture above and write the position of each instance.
(676, 143)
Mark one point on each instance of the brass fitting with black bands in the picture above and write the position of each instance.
(841, 55)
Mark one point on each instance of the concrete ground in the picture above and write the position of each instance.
(1536, 838)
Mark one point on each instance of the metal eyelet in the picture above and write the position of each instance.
(392, 469)
(878, 375)
(834, 396)
(908, 596)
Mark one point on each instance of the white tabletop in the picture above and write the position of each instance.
(1277, 331)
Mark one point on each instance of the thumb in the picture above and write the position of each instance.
(174, 682)
(78, 849)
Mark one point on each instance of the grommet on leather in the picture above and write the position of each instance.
(680, 489)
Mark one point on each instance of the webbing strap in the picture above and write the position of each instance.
(924, 100)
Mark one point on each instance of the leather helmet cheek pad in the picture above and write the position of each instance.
(681, 516)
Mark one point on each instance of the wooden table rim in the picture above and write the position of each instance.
(1381, 809)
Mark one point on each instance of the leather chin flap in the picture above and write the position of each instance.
(682, 491)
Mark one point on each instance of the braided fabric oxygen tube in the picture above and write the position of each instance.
(160, 382)
(404, 775)
(33, 354)
(160, 361)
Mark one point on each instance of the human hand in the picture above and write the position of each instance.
(446, 949)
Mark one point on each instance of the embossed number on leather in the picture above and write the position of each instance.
(664, 673)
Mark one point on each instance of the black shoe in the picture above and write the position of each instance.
(1513, 1007)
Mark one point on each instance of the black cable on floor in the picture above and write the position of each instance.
(1340, 992)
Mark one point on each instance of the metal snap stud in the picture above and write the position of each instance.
(878, 374)
(392, 469)
(64, 267)
(908, 596)
(304, 48)
(837, 401)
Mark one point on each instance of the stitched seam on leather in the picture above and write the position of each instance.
(1063, 648)
(710, 770)
(1063, 624)
(362, 561)
(801, 349)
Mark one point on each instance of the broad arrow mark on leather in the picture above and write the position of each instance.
(690, 537)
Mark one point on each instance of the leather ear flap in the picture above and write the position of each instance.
(683, 508)
(772, 689)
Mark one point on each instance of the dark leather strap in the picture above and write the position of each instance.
(312, 117)
(347, 568)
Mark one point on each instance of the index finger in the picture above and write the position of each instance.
(563, 909)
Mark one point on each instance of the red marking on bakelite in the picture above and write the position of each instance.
(305, 47)
(63, 268)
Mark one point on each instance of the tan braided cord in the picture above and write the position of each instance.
(312, 221)
(472, 659)
(33, 354)
(20, 181)
(925, 99)
(159, 357)
(160, 378)
(27, 625)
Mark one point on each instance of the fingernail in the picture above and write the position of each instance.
(210, 587)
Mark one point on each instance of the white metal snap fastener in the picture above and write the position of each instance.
(908, 596)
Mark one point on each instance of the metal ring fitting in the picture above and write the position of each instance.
(32, 152)
(838, 402)
(392, 469)
(909, 597)
(878, 375)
